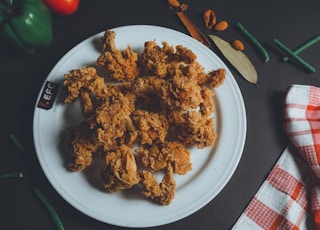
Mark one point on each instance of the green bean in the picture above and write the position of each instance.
(16, 142)
(294, 56)
(50, 208)
(304, 46)
(11, 175)
(254, 41)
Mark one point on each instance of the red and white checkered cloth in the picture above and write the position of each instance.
(289, 198)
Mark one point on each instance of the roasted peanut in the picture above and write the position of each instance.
(174, 3)
(238, 45)
(221, 26)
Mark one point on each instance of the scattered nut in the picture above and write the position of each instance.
(221, 26)
(238, 45)
(174, 3)
(210, 19)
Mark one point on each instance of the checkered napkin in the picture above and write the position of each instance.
(289, 198)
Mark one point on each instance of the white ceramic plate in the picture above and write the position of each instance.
(212, 167)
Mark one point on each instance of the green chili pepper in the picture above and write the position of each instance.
(11, 175)
(294, 56)
(254, 40)
(16, 142)
(25, 25)
(50, 208)
(305, 46)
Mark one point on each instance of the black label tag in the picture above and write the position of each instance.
(48, 95)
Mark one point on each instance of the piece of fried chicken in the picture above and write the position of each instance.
(83, 146)
(120, 169)
(197, 129)
(106, 109)
(120, 65)
(85, 84)
(164, 61)
(182, 93)
(113, 122)
(157, 157)
(214, 78)
(162, 193)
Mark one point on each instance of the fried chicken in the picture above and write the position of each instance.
(148, 84)
(214, 78)
(181, 93)
(165, 61)
(158, 157)
(157, 106)
(120, 65)
(197, 130)
(83, 146)
(154, 59)
(113, 120)
(162, 193)
(120, 170)
(83, 83)
(152, 127)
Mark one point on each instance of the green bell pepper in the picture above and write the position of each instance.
(25, 25)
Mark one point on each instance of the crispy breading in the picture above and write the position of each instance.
(120, 170)
(152, 127)
(120, 65)
(157, 157)
(197, 130)
(195, 72)
(165, 61)
(83, 83)
(162, 193)
(207, 106)
(214, 78)
(77, 80)
(83, 145)
(154, 59)
(148, 84)
(111, 120)
(181, 93)
(186, 55)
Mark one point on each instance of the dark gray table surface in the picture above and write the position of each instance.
(292, 22)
